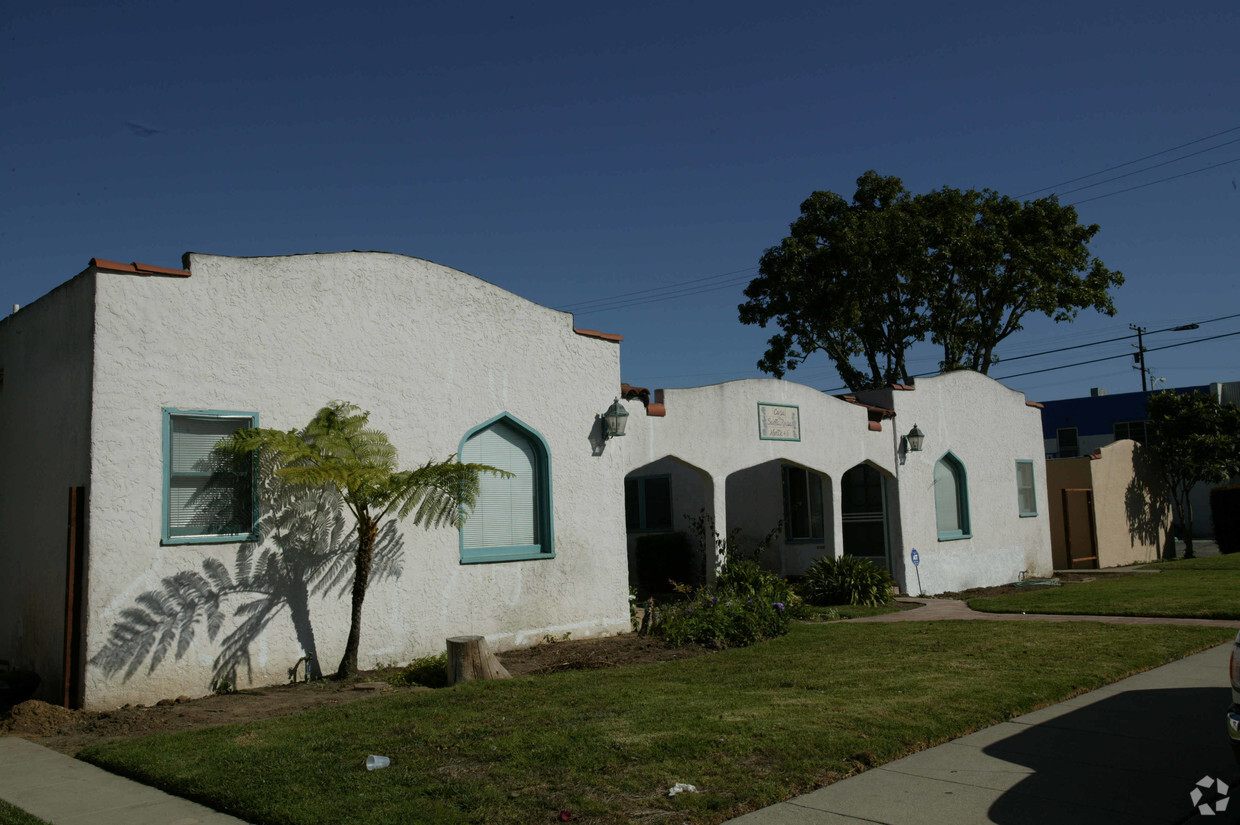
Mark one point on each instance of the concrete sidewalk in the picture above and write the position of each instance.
(64, 791)
(1129, 752)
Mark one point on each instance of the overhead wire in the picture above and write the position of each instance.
(1131, 162)
(689, 288)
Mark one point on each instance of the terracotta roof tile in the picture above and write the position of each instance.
(137, 268)
(1035, 404)
(594, 333)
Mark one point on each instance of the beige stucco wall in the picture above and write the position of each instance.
(431, 352)
(1130, 513)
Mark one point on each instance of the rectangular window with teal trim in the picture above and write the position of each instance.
(209, 496)
(1026, 495)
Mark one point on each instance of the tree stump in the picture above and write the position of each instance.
(470, 658)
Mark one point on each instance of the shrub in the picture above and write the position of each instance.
(746, 605)
(1225, 509)
(429, 671)
(846, 580)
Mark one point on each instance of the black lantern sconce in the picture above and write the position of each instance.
(914, 439)
(615, 420)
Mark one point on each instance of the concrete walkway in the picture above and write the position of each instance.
(64, 791)
(1129, 752)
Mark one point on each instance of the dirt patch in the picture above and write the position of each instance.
(68, 731)
(588, 654)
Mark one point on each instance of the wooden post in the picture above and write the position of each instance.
(470, 658)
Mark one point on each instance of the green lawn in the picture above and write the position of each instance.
(748, 727)
(1207, 588)
(853, 611)
(13, 815)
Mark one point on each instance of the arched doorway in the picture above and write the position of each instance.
(863, 510)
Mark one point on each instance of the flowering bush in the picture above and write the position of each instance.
(746, 605)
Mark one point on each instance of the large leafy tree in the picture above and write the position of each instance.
(1194, 439)
(338, 449)
(845, 282)
(865, 281)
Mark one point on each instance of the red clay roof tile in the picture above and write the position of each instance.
(593, 333)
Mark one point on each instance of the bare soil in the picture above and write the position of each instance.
(68, 731)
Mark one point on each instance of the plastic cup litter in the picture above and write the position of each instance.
(374, 763)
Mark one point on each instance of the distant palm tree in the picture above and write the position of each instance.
(337, 449)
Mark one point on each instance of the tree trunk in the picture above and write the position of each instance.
(470, 658)
(366, 532)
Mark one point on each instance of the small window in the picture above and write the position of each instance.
(1068, 447)
(511, 518)
(951, 499)
(648, 503)
(209, 495)
(803, 519)
(1026, 497)
(1131, 429)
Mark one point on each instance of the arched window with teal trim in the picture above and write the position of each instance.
(511, 519)
(951, 498)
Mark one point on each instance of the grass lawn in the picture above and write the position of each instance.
(13, 815)
(1207, 588)
(852, 611)
(747, 727)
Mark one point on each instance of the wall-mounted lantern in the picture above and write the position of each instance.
(914, 439)
(615, 420)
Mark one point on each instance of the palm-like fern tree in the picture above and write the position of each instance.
(338, 449)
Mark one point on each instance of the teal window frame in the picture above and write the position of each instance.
(642, 513)
(543, 504)
(810, 478)
(1033, 488)
(167, 532)
(961, 476)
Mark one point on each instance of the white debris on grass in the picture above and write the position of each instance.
(681, 787)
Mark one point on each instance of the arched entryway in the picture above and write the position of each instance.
(865, 514)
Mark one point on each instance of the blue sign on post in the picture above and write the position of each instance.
(916, 557)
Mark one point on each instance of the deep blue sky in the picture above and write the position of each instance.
(572, 152)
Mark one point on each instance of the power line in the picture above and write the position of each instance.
(1148, 168)
(1151, 183)
(1131, 162)
(1114, 357)
(681, 289)
(677, 285)
(1092, 344)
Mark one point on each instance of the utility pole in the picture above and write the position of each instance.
(1139, 355)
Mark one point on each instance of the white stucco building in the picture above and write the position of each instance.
(114, 380)
(839, 476)
(134, 567)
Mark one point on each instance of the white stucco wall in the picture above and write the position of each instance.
(431, 352)
(45, 352)
(715, 429)
(988, 427)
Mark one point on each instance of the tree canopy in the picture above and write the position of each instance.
(863, 281)
(1194, 439)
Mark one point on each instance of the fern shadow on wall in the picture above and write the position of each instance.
(305, 548)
